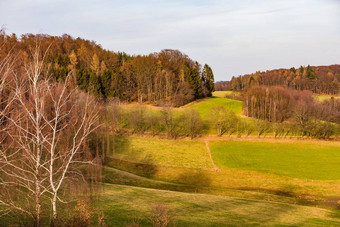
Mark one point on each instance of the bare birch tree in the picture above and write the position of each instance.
(46, 129)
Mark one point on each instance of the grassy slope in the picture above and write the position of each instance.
(298, 160)
(162, 152)
(194, 169)
(185, 166)
(204, 106)
(124, 204)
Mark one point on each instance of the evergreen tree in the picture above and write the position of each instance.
(106, 78)
(310, 73)
(83, 78)
(192, 76)
(301, 69)
(95, 86)
(208, 79)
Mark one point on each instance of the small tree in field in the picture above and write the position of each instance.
(171, 123)
(192, 123)
(224, 120)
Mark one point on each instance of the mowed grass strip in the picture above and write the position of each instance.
(162, 152)
(297, 160)
(204, 106)
(222, 94)
(123, 205)
(322, 98)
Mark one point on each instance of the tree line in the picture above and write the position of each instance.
(318, 79)
(165, 77)
(279, 105)
(302, 121)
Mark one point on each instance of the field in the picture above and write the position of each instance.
(124, 205)
(321, 98)
(162, 152)
(257, 180)
(304, 160)
(222, 94)
(205, 105)
(287, 174)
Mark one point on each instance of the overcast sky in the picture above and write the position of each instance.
(233, 36)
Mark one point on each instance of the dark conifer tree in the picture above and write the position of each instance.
(208, 79)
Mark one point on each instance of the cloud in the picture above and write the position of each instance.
(234, 37)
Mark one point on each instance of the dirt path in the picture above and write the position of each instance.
(211, 159)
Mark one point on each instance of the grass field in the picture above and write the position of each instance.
(204, 106)
(123, 205)
(298, 160)
(162, 152)
(222, 94)
(276, 175)
(321, 98)
(180, 175)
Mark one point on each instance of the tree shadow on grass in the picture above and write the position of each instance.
(194, 177)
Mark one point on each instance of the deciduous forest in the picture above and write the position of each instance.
(165, 77)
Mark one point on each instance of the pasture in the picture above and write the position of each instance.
(304, 160)
(180, 153)
(204, 106)
(125, 205)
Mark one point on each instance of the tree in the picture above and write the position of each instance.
(95, 86)
(192, 77)
(208, 79)
(171, 123)
(183, 95)
(95, 64)
(301, 117)
(310, 73)
(192, 123)
(47, 127)
(224, 120)
(261, 127)
(73, 60)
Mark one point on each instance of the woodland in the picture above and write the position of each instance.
(165, 77)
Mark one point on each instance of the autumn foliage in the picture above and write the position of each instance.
(168, 76)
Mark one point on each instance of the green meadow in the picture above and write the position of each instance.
(204, 106)
(304, 160)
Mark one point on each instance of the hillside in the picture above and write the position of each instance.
(260, 170)
(168, 76)
(124, 205)
(318, 79)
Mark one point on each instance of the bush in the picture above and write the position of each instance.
(224, 120)
(160, 216)
(192, 123)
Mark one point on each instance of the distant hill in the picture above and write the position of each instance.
(168, 76)
(318, 79)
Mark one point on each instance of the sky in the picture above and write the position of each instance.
(234, 37)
